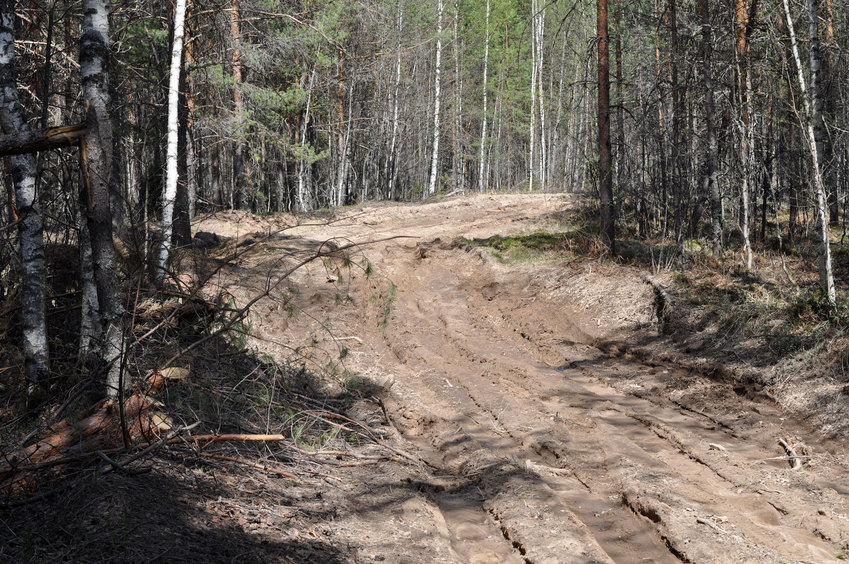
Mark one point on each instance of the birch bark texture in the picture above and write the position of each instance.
(96, 157)
(482, 179)
(30, 226)
(434, 161)
(171, 169)
(813, 121)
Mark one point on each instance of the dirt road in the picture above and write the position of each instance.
(544, 439)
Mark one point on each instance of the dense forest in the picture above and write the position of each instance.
(691, 120)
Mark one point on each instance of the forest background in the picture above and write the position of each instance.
(726, 125)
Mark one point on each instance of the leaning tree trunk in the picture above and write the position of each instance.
(171, 169)
(604, 155)
(96, 157)
(30, 227)
(815, 131)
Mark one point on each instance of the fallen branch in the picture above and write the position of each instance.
(249, 463)
(710, 524)
(209, 439)
(793, 458)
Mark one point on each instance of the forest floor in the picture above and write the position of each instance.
(533, 408)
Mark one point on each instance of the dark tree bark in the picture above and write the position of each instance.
(710, 182)
(30, 227)
(604, 155)
(828, 91)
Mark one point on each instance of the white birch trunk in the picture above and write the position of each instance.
(30, 227)
(813, 108)
(534, 70)
(395, 107)
(96, 154)
(540, 35)
(482, 180)
(436, 87)
(171, 173)
(459, 150)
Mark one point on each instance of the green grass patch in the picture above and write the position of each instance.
(540, 247)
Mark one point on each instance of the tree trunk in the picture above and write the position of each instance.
(709, 176)
(27, 210)
(96, 158)
(604, 156)
(828, 92)
(171, 168)
(434, 162)
(459, 149)
(303, 196)
(392, 175)
(241, 198)
(813, 119)
(741, 21)
(534, 70)
(482, 180)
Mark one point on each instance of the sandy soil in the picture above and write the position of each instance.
(543, 439)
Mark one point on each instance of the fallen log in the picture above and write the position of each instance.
(108, 427)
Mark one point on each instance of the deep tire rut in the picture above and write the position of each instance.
(550, 446)
(656, 482)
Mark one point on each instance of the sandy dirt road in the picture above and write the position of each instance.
(543, 438)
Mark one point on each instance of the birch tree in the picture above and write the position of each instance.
(434, 161)
(27, 209)
(481, 174)
(815, 130)
(171, 172)
(96, 156)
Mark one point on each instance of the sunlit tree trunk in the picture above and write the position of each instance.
(171, 169)
(458, 148)
(396, 106)
(28, 215)
(539, 23)
(482, 180)
(434, 162)
(533, 124)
